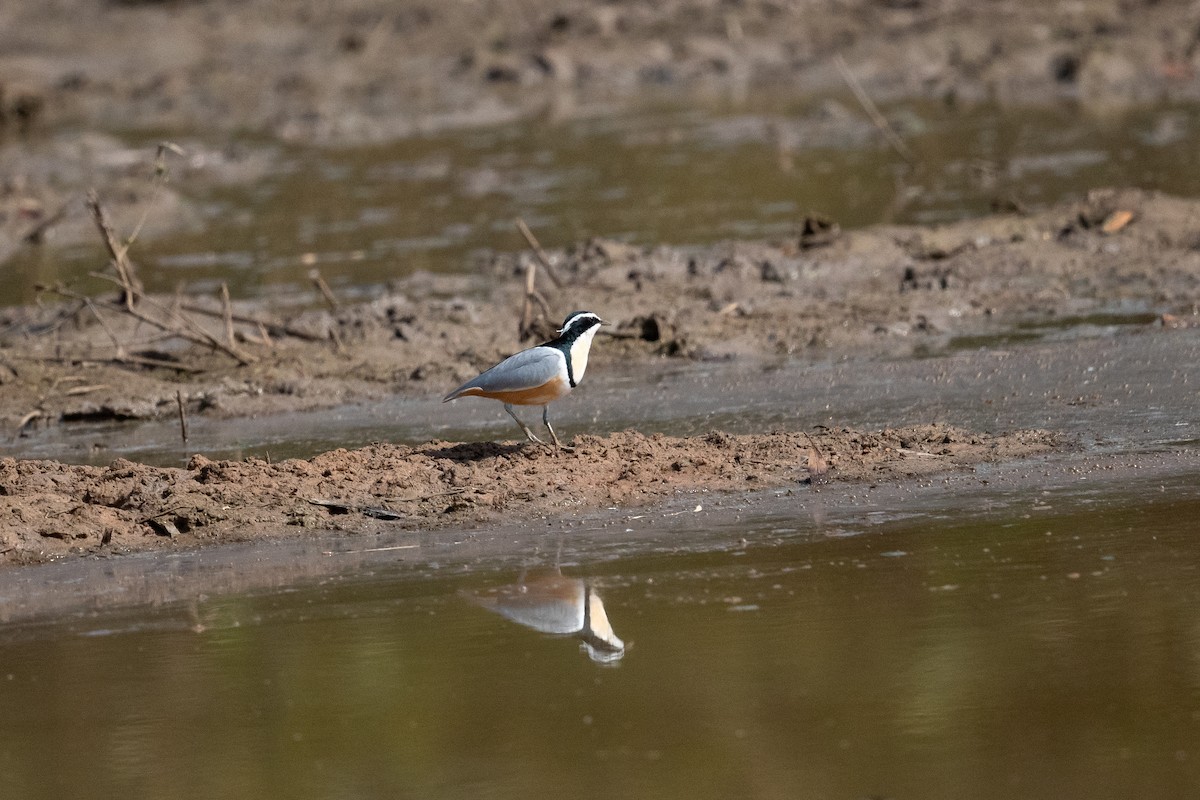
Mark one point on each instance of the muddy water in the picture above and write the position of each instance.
(366, 215)
(1002, 644)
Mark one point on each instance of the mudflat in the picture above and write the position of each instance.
(868, 297)
(1122, 259)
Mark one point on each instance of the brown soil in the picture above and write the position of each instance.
(371, 69)
(51, 509)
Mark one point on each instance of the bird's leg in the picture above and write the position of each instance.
(554, 436)
(508, 407)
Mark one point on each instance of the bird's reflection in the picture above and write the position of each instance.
(549, 602)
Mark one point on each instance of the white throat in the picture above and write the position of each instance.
(579, 353)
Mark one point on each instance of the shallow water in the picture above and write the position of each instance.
(660, 175)
(1033, 645)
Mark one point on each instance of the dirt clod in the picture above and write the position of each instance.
(53, 509)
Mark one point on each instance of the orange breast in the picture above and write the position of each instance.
(537, 396)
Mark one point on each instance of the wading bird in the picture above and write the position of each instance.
(539, 375)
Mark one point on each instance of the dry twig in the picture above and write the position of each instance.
(525, 327)
(538, 252)
(275, 328)
(159, 180)
(131, 288)
(96, 313)
(181, 325)
(418, 498)
(183, 434)
(170, 320)
(227, 309)
(340, 507)
(331, 300)
(872, 110)
(142, 361)
(76, 391)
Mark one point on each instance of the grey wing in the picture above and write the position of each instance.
(524, 370)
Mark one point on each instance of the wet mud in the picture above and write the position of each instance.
(886, 292)
(52, 509)
(1126, 256)
(370, 72)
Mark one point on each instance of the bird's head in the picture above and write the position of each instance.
(579, 321)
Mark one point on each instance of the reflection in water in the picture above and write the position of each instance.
(992, 650)
(549, 602)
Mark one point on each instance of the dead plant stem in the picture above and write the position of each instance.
(183, 432)
(879, 120)
(538, 252)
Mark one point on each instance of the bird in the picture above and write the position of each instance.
(539, 375)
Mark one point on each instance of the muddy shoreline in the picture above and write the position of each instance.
(886, 292)
(371, 72)
(83, 589)
(53, 509)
